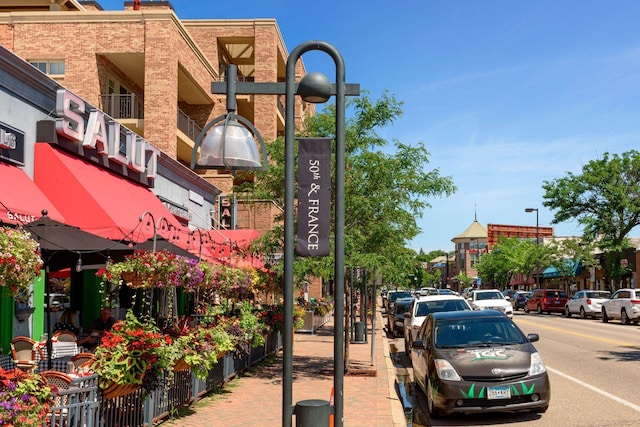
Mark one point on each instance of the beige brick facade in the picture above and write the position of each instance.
(167, 65)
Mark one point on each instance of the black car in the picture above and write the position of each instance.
(478, 361)
(395, 320)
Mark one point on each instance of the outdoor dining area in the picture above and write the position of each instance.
(184, 326)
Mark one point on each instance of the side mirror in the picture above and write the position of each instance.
(533, 337)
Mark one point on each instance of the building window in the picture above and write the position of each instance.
(52, 68)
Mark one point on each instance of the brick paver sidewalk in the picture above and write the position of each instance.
(255, 397)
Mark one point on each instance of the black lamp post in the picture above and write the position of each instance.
(537, 236)
(314, 88)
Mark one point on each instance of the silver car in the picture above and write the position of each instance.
(586, 303)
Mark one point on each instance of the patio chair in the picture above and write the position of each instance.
(61, 402)
(82, 360)
(26, 353)
(65, 336)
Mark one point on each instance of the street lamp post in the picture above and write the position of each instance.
(314, 88)
(529, 210)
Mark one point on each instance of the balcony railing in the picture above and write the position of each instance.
(129, 106)
(188, 126)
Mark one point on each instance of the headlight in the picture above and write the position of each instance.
(445, 370)
(537, 365)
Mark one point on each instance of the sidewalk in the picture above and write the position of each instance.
(255, 397)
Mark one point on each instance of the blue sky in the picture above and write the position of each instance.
(504, 94)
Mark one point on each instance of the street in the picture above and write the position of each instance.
(592, 367)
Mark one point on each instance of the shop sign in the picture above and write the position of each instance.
(11, 144)
(227, 219)
(101, 133)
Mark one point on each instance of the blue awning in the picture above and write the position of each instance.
(552, 272)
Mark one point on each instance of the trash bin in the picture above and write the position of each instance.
(312, 413)
(360, 331)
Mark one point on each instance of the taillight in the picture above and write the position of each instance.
(588, 301)
(635, 301)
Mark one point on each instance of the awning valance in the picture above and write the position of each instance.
(21, 201)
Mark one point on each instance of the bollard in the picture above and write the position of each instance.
(360, 331)
(312, 413)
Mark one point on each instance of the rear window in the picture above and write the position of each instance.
(596, 294)
(556, 294)
(427, 307)
(394, 296)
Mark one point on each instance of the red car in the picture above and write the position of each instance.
(546, 301)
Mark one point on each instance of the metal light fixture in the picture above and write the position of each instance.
(228, 141)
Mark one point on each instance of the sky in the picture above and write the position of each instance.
(504, 94)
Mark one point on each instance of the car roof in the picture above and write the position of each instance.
(466, 314)
(437, 297)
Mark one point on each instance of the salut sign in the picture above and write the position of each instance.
(103, 134)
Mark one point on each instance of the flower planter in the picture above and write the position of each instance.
(24, 313)
(180, 365)
(117, 390)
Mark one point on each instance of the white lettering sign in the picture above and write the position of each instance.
(103, 134)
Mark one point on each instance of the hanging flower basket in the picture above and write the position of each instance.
(20, 262)
(143, 269)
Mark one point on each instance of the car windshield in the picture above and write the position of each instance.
(426, 307)
(477, 332)
(488, 295)
(598, 294)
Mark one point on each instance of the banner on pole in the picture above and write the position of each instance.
(314, 197)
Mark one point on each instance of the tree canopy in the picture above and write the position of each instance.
(387, 187)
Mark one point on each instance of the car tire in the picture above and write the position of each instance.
(434, 413)
(605, 318)
(567, 312)
(583, 314)
(539, 309)
(624, 318)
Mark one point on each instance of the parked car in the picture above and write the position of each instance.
(422, 306)
(490, 299)
(624, 304)
(478, 361)
(428, 291)
(395, 319)
(546, 301)
(519, 299)
(586, 303)
(393, 296)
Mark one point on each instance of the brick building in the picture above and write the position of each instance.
(152, 72)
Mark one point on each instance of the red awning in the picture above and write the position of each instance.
(98, 201)
(21, 201)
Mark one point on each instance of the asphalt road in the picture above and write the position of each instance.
(594, 369)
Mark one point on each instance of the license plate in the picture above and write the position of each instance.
(498, 393)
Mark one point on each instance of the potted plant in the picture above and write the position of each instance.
(201, 348)
(25, 399)
(133, 354)
(20, 262)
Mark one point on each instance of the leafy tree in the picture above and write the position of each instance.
(604, 199)
(386, 189)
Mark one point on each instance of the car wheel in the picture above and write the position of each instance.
(431, 406)
(605, 318)
(526, 309)
(624, 319)
(583, 314)
(567, 312)
(539, 309)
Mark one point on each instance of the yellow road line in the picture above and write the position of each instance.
(593, 337)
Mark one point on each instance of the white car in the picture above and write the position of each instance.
(422, 306)
(490, 299)
(624, 304)
(586, 303)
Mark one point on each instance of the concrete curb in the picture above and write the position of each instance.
(397, 408)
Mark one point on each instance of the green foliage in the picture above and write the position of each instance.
(604, 199)
(387, 187)
(20, 262)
